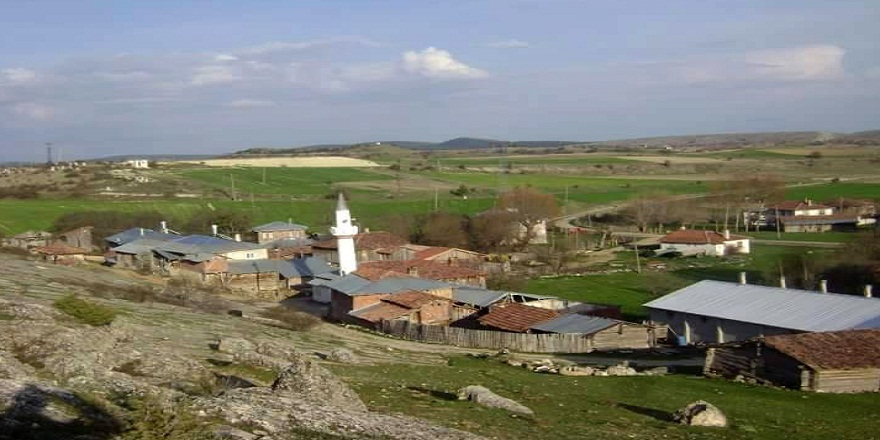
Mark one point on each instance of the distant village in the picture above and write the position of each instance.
(809, 340)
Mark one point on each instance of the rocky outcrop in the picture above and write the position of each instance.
(485, 397)
(700, 413)
(312, 382)
(342, 355)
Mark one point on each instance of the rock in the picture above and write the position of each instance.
(700, 413)
(342, 355)
(576, 371)
(656, 371)
(235, 345)
(514, 363)
(227, 432)
(542, 369)
(622, 369)
(485, 397)
(312, 382)
(502, 352)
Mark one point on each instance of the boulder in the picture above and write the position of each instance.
(485, 397)
(576, 371)
(342, 355)
(622, 369)
(700, 413)
(656, 371)
(311, 382)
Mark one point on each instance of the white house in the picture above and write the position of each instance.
(694, 242)
(138, 163)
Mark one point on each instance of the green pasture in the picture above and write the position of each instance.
(832, 191)
(605, 407)
(826, 237)
(558, 159)
(279, 180)
(750, 154)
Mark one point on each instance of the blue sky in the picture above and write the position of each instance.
(105, 77)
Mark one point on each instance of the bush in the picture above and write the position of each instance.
(291, 319)
(85, 311)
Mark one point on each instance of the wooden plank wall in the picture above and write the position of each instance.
(520, 342)
(848, 381)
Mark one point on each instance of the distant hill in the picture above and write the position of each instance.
(156, 157)
(705, 141)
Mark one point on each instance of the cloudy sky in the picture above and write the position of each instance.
(160, 76)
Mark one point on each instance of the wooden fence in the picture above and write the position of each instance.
(622, 336)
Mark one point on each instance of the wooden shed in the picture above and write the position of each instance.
(833, 362)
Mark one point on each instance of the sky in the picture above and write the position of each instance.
(96, 78)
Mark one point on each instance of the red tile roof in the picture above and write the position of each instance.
(380, 311)
(429, 269)
(692, 236)
(412, 299)
(791, 205)
(844, 350)
(516, 317)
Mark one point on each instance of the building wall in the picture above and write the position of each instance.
(706, 329)
(265, 237)
(341, 304)
(707, 249)
(253, 254)
(435, 312)
(788, 227)
(846, 381)
(321, 294)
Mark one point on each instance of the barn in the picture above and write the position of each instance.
(833, 362)
(719, 312)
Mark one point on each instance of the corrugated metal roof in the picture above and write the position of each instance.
(194, 244)
(772, 306)
(139, 246)
(133, 234)
(278, 226)
(477, 297)
(574, 323)
(237, 267)
(354, 285)
(310, 266)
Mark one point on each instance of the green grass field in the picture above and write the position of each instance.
(751, 154)
(827, 237)
(558, 159)
(606, 407)
(832, 191)
(292, 181)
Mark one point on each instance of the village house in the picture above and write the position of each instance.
(807, 216)
(369, 246)
(274, 231)
(515, 317)
(29, 239)
(78, 237)
(694, 242)
(428, 269)
(133, 234)
(60, 253)
(831, 362)
(409, 305)
(719, 312)
(352, 292)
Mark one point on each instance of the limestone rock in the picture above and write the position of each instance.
(485, 397)
(656, 371)
(576, 371)
(622, 369)
(342, 355)
(700, 413)
(312, 382)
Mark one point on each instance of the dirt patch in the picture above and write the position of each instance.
(291, 162)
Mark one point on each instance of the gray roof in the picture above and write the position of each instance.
(574, 323)
(311, 266)
(199, 244)
(772, 306)
(354, 285)
(286, 268)
(138, 247)
(476, 296)
(133, 234)
(279, 226)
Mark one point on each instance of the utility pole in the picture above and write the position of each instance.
(436, 199)
(638, 261)
(232, 184)
(49, 158)
(565, 202)
(778, 233)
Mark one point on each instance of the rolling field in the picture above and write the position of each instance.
(832, 191)
(292, 181)
(532, 160)
(293, 162)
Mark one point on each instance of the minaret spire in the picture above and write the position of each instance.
(344, 231)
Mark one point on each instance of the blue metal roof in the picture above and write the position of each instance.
(138, 246)
(772, 306)
(311, 266)
(133, 234)
(574, 323)
(279, 226)
(477, 297)
(198, 244)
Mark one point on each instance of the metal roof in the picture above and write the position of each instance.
(196, 244)
(772, 306)
(477, 297)
(354, 285)
(138, 246)
(310, 266)
(278, 226)
(574, 323)
(133, 234)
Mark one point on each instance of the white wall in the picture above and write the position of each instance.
(253, 254)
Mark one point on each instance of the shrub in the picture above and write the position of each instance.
(291, 319)
(85, 311)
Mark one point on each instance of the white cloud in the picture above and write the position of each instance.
(225, 57)
(19, 75)
(438, 63)
(286, 46)
(123, 76)
(800, 63)
(33, 110)
(210, 75)
(250, 103)
(512, 43)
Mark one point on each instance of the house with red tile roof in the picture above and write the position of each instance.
(515, 317)
(409, 305)
(696, 242)
(369, 246)
(427, 269)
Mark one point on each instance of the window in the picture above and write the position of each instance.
(249, 255)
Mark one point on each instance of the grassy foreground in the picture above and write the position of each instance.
(606, 407)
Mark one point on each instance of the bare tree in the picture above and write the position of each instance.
(442, 229)
(529, 207)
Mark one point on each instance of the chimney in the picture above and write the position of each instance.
(237, 237)
(782, 282)
(823, 286)
(142, 231)
(366, 230)
(163, 227)
(727, 234)
(214, 230)
(809, 202)
(869, 291)
(742, 278)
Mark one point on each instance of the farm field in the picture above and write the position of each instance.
(832, 191)
(605, 407)
(293, 162)
(520, 160)
(290, 181)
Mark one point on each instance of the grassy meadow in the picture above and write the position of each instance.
(606, 407)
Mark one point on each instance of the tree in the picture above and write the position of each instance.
(528, 207)
(442, 229)
(492, 230)
(106, 223)
(228, 222)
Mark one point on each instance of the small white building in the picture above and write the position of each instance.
(138, 163)
(694, 242)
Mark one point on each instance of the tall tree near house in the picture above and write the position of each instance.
(650, 209)
(228, 222)
(731, 196)
(529, 207)
(442, 229)
(492, 230)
